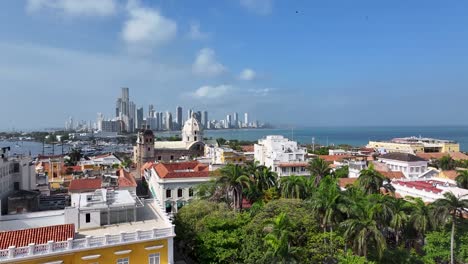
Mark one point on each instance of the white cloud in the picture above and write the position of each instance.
(195, 32)
(262, 7)
(211, 92)
(206, 64)
(247, 75)
(146, 27)
(260, 92)
(75, 7)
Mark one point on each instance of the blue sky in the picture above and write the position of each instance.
(312, 63)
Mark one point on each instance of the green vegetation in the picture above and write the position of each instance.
(234, 143)
(299, 219)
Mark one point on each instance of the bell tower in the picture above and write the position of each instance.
(144, 150)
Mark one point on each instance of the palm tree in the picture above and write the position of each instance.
(420, 216)
(363, 230)
(265, 178)
(462, 179)
(371, 180)
(448, 209)
(292, 186)
(399, 216)
(278, 240)
(319, 168)
(233, 178)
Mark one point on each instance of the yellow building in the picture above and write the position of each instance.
(102, 227)
(230, 156)
(414, 145)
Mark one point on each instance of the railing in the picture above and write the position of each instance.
(88, 242)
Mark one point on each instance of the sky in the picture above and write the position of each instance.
(303, 63)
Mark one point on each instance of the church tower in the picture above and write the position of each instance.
(192, 131)
(144, 150)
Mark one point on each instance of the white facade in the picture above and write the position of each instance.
(172, 193)
(277, 151)
(192, 131)
(355, 167)
(411, 169)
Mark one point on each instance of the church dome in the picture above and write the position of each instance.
(192, 131)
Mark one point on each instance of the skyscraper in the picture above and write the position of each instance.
(131, 117)
(228, 121)
(118, 104)
(139, 118)
(205, 119)
(235, 123)
(179, 120)
(189, 114)
(198, 116)
(168, 120)
(151, 110)
(246, 119)
(160, 120)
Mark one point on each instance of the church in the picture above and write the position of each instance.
(149, 150)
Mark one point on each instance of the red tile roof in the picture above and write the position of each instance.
(41, 235)
(393, 174)
(293, 164)
(450, 174)
(343, 182)
(438, 155)
(426, 186)
(332, 158)
(249, 148)
(85, 184)
(126, 179)
(188, 169)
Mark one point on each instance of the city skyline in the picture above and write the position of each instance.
(384, 60)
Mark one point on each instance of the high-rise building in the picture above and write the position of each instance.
(118, 104)
(205, 119)
(168, 121)
(179, 120)
(228, 121)
(151, 110)
(139, 118)
(131, 117)
(160, 120)
(246, 119)
(235, 123)
(100, 118)
(189, 114)
(198, 116)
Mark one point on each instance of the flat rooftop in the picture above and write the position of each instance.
(32, 220)
(102, 199)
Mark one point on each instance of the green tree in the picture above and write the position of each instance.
(278, 240)
(449, 209)
(446, 163)
(233, 178)
(400, 217)
(420, 216)
(292, 186)
(319, 168)
(462, 179)
(341, 172)
(370, 180)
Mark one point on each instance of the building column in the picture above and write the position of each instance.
(170, 250)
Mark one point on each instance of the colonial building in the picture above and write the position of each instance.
(410, 165)
(191, 145)
(414, 145)
(282, 155)
(172, 184)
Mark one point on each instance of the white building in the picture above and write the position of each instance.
(410, 165)
(172, 184)
(284, 156)
(15, 174)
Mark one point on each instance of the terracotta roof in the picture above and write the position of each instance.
(126, 179)
(249, 148)
(438, 155)
(450, 174)
(41, 235)
(293, 164)
(401, 157)
(181, 170)
(343, 182)
(427, 186)
(85, 184)
(393, 174)
(332, 158)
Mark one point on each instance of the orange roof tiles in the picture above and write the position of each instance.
(343, 182)
(392, 174)
(449, 174)
(85, 184)
(181, 170)
(293, 164)
(126, 179)
(438, 155)
(41, 235)
(249, 148)
(332, 158)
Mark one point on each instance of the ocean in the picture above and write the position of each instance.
(355, 136)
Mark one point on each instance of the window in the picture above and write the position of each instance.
(293, 169)
(149, 149)
(172, 157)
(123, 261)
(88, 218)
(168, 193)
(195, 139)
(190, 192)
(179, 193)
(153, 258)
(159, 157)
